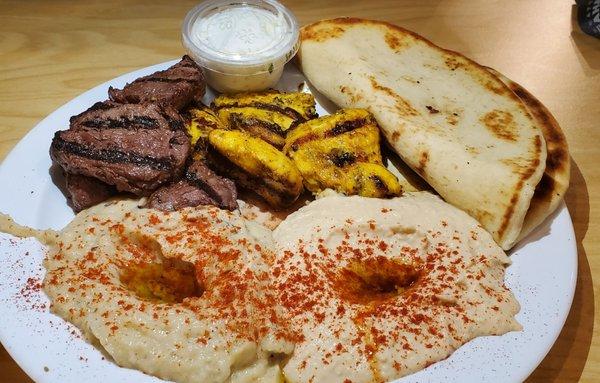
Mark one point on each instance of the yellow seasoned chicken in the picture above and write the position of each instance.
(341, 152)
(267, 115)
(255, 165)
(265, 124)
(199, 121)
(298, 105)
(370, 180)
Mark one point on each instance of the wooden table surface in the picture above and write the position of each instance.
(51, 51)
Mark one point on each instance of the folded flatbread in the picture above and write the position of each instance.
(452, 121)
(551, 189)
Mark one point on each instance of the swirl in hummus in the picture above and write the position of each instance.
(346, 289)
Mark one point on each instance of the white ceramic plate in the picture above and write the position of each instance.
(543, 277)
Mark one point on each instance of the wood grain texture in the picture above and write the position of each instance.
(51, 51)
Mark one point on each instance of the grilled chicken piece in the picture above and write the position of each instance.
(265, 115)
(299, 106)
(265, 124)
(199, 121)
(136, 159)
(370, 180)
(341, 152)
(200, 186)
(255, 165)
(84, 192)
(176, 87)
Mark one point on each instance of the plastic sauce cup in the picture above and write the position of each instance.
(242, 45)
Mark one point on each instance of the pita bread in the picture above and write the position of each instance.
(453, 122)
(555, 181)
(410, 181)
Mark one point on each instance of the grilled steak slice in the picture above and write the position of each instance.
(220, 189)
(112, 115)
(176, 86)
(84, 192)
(136, 161)
(200, 186)
(178, 195)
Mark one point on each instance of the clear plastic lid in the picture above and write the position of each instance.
(240, 33)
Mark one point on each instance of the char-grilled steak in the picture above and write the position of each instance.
(220, 189)
(178, 195)
(84, 192)
(176, 86)
(200, 186)
(136, 160)
(113, 115)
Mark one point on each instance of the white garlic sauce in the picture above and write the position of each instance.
(240, 32)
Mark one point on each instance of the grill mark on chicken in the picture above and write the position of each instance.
(275, 108)
(110, 155)
(204, 122)
(280, 187)
(238, 121)
(379, 184)
(342, 159)
(345, 126)
(287, 111)
(338, 129)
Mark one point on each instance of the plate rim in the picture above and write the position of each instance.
(22, 143)
(573, 281)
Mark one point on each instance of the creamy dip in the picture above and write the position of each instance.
(240, 31)
(182, 296)
(242, 46)
(383, 288)
(344, 289)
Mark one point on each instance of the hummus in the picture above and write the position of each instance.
(346, 289)
(379, 289)
(182, 296)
